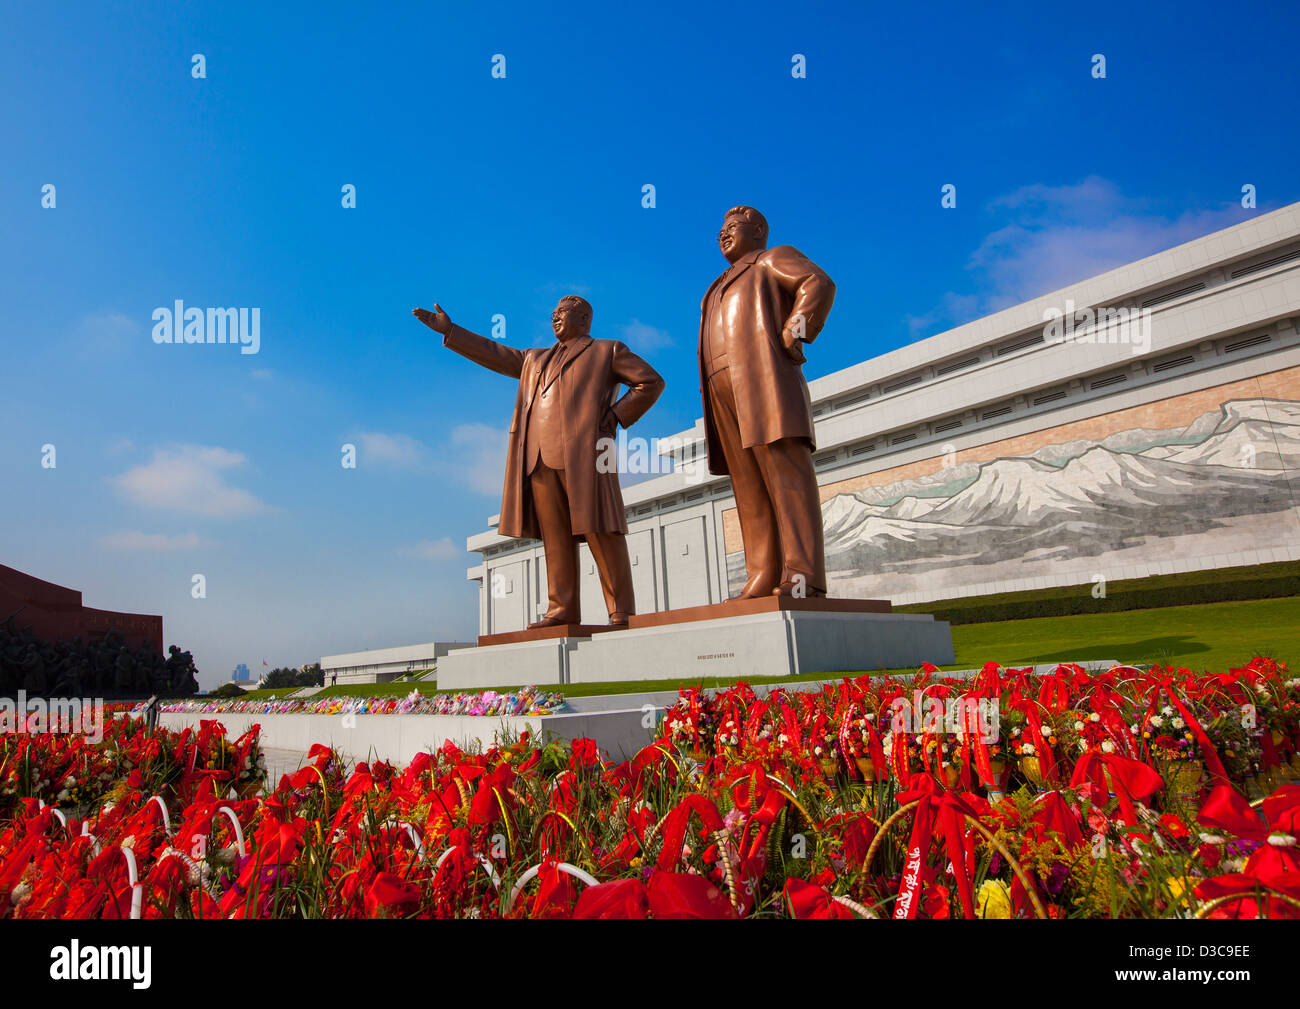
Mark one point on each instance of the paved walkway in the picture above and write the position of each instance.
(280, 762)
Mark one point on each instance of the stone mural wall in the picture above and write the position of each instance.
(1197, 477)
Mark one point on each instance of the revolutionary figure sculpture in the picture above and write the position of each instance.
(554, 489)
(754, 321)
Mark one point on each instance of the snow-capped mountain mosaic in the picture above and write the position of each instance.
(1223, 483)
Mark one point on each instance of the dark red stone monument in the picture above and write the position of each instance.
(55, 612)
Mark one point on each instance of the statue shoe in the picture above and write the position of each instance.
(798, 591)
(757, 588)
(555, 621)
(618, 620)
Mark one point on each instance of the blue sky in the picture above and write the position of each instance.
(498, 196)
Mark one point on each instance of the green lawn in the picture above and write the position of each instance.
(1215, 636)
(392, 689)
(265, 692)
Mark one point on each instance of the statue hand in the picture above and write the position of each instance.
(793, 347)
(436, 320)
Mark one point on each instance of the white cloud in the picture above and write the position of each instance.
(106, 332)
(479, 456)
(189, 479)
(399, 451)
(473, 455)
(434, 550)
(646, 339)
(952, 306)
(161, 542)
(1055, 236)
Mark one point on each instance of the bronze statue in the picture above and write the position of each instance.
(554, 489)
(758, 425)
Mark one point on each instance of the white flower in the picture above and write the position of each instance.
(1078, 726)
(1027, 750)
(1166, 710)
(1156, 721)
(1211, 839)
(1178, 723)
(1280, 840)
(21, 893)
(1107, 746)
(1094, 717)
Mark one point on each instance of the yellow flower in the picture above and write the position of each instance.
(994, 900)
(1178, 889)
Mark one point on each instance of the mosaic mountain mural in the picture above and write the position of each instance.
(1223, 483)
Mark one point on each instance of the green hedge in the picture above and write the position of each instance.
(1259, 581)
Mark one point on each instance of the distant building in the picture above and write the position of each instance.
(241, 674)
(380, 665)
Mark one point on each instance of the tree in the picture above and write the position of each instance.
(281, 676)
(285, 676)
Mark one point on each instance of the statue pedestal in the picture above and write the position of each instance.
(740, 638)
(543, 634)
(774, 636)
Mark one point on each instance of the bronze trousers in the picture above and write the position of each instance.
(563, 582)
(777, 500)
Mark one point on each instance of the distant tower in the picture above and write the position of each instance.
(241, 674)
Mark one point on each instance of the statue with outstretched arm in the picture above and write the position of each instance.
(559, 487)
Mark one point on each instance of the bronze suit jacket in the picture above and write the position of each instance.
(765, 289)
(592, 372)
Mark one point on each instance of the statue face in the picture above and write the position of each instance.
(570, 321)
(738, 236)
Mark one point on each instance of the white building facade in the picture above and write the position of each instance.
(380, 665)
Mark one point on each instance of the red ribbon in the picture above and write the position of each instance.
(950, 810)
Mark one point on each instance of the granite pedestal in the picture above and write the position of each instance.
(739, 638)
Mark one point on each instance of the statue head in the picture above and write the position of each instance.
(571, 318)
(744, 229)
